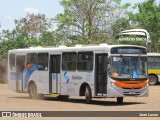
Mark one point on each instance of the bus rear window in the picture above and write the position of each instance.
(12, 61)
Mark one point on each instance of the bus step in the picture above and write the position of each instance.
(99, 97)
(55, 95)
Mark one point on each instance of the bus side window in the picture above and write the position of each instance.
(28, 66)
(85, 61)
(43, 61)
(69, 60)
(31, 60)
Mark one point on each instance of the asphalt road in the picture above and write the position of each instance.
(12, 101)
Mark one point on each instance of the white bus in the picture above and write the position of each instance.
(141, 36)
(153, 68)
(135, 37)
(91, 71)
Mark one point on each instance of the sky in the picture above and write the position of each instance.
(16, 9)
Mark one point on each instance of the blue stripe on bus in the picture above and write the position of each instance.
(30, 72)
(66, 77)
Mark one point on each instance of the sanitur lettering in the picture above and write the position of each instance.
(76, 78)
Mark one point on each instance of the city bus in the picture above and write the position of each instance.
(153, 68)
(135, 37)
(142, 37)
(97, 71)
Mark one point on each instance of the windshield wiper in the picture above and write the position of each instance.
(138, 60)
(125, 61)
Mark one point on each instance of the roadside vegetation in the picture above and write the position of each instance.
(83, 22)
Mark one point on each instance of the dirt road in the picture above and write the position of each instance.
(11, 101)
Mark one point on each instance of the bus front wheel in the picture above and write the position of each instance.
(119, 99)
(153, 80)
(88, 95)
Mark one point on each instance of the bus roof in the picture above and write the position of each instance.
(142, 32)
(69, 49)
(134, 33)
(153, 54)
(135, 30)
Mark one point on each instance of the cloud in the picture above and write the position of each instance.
(31, 10)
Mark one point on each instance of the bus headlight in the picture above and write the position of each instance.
(113, 85)
(145, 87)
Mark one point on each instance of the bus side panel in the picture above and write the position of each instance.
(28, 78)
(64, 83)
(12, 80)
(11, 71)
(42, 82)
(72, 81)
(41, 79)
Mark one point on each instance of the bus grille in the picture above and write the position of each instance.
(131, 93)
(132, 88)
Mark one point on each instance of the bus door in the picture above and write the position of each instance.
(54, 78)
(20, 66)
(101, 74)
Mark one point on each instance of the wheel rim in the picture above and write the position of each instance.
(33, 91)
(152, 80)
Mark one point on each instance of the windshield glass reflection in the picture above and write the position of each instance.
(128, 67)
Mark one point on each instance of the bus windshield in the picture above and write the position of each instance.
(128, 67)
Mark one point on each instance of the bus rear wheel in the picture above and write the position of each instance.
(33, 92)
(153, 80)
(88, 95)
(119, 99)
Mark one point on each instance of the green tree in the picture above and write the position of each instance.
(33, 25)
(49, 38)
(120, 25)
(85, 20)
(8, 35)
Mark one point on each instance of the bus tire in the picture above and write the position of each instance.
(88, 95)
(33, 92)
(119, 99)
(152, 80)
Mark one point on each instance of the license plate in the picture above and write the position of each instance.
(132, 92)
